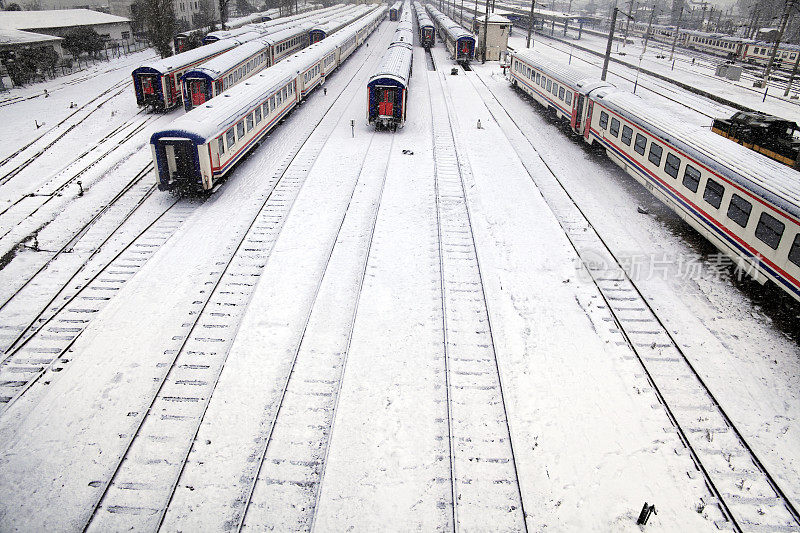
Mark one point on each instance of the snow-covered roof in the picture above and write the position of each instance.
(55, 18)
(11, 37)
(189, 57)
(218, 114)
(454, 30)
(572, 76)
(395, 64)
(422, 17)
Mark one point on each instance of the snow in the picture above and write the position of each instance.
(344, 309)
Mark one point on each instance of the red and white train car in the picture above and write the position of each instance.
(745, 204)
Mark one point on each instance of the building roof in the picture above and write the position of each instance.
(55, 18)
(19, 37)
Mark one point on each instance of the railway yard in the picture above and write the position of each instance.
(475, 322)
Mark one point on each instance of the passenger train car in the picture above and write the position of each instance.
(748, 206)
(387, 89)
(180, 40)
(212, 78)
(234, 66)
(202, 146)
(157, 84)
(425, 27)
(396, 10)
(460, 43)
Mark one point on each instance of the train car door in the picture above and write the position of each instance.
(465, 49)
(577, 110)
(386, 98)
(180, 156)
(197, 91)
(587, 124)
(148, 85)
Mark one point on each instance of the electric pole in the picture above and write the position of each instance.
(677, 31)
(610, 40)
(649, 25)
(784, 21)
(485, 29)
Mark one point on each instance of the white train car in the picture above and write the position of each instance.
(201, 147)
(460, 43)
(745, 204)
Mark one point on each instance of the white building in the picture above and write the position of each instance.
(58, 22)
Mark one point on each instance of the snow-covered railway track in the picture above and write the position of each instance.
(42, 348)
(310, 393)
(743, 495)
(485, 487)
(59, 131)
(145, 477)
(19, 313)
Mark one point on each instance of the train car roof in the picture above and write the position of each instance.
(774, 182)
(188, 57)
(216, 66)
(395, 65)
(565, 73)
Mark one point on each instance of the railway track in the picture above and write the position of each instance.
(286, 472)
(54, 134)
(43, 347)
(485, 486)
(743, 495)
(87, 242)
(138, 491)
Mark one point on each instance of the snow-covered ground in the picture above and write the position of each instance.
(368, 331)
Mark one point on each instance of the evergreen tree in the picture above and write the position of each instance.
(160, 23)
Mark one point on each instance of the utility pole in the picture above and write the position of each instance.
(485, 29)
(784, 21)
(461, 14)
(611, 40)
(677, 31)
(649, 25)
(794, 73)
(631, 3)
(530, 24)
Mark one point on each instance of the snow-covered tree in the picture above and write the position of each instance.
(158, 19)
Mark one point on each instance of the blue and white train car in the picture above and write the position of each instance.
(744, 203)
(460, 43)
(331, 26)
(210, 79)
(425, 27)
(396, 10)
(202, 146)
(387, 89)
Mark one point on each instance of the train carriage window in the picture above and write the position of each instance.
(770, 230)
(538, 77)
(258, 114)
(220, 145)
(603, 119)
(561, 91)
(794, 253)
(614, 129)
(641, 143)
(265, 108)
(249, 122)
(569, 98)
(627, 135)
(691, 178)
(555, 89)
(739, 210)
(655, 154)
(673, 165)
(230, 137)
(240, 129)
(549, 85)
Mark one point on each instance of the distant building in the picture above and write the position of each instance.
(32, 28)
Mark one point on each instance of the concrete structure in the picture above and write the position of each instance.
(58, 22)
(497, 32)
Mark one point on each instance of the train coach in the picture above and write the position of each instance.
(157, 84)
(425, 27)
(211, 78)
(748, 206)
(387, 89)
(199, 148)
(329, 27)
(396, 10)
(460, 43)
